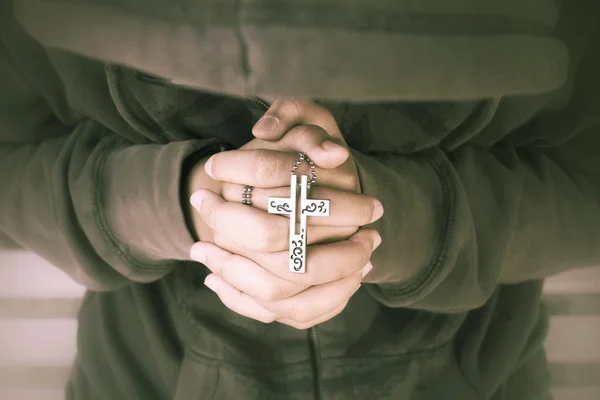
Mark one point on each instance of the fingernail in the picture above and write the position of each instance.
(208, 166)
(367, 269)
(211, 282)
(329, 145)
(197, 255)
(377, 242)
(377, 211)
(267, 124)
(196, 200)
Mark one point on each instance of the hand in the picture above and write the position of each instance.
(255, 164)
(268, 291)
(307, 128)
(259, 286)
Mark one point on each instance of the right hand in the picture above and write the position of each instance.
(249, 255)
(260, 163)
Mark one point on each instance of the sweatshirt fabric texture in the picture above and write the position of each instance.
(476, 123)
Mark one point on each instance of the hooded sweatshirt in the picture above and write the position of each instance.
(474, 122)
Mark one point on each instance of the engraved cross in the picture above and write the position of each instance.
(308, 208)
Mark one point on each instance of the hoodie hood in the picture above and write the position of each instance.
(346, 50)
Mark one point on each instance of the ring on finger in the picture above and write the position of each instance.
(247, 195)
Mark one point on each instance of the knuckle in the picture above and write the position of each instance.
(268, 294)
(275, 237)
(228, 268)
(299, 315)
(287, 108)
(296, 107)
(225, 273)
(340, 272)
(270, 239)
(271, 293)
(265, 166)
(291, 315)
(292, 109)
(309, 134)
(260, 242)
(220, 240)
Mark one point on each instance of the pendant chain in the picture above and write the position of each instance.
(311, 164)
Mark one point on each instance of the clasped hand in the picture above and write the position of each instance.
(246, 248)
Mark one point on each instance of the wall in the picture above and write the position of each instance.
(38, 305)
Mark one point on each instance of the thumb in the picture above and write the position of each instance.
(284, 114)
(206, 204)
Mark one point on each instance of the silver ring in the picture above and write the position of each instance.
(247, 195)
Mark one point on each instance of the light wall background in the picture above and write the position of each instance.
(39, 303)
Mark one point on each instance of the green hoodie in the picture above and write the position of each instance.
(476, 124)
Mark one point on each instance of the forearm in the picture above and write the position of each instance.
(459, 224)
(105, 211)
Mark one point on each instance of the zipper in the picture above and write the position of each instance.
(259, 101)
(315, 360)
(313, 334)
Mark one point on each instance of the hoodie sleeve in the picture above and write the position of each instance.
(461, 222)
(104, 210)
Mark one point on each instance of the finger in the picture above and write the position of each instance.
(316, 321)
(315, 301)
(244, 274)
(258, 168)
(246, 226)
(312, 140)
(286, 113)
(238, 301)
(346, 208)
(236, 225)
(320, 235)
(325, 262)
(266, 169)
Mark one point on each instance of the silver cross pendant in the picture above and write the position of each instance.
(308, 208)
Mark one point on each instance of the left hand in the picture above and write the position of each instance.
(255, 282)
(268, 171)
